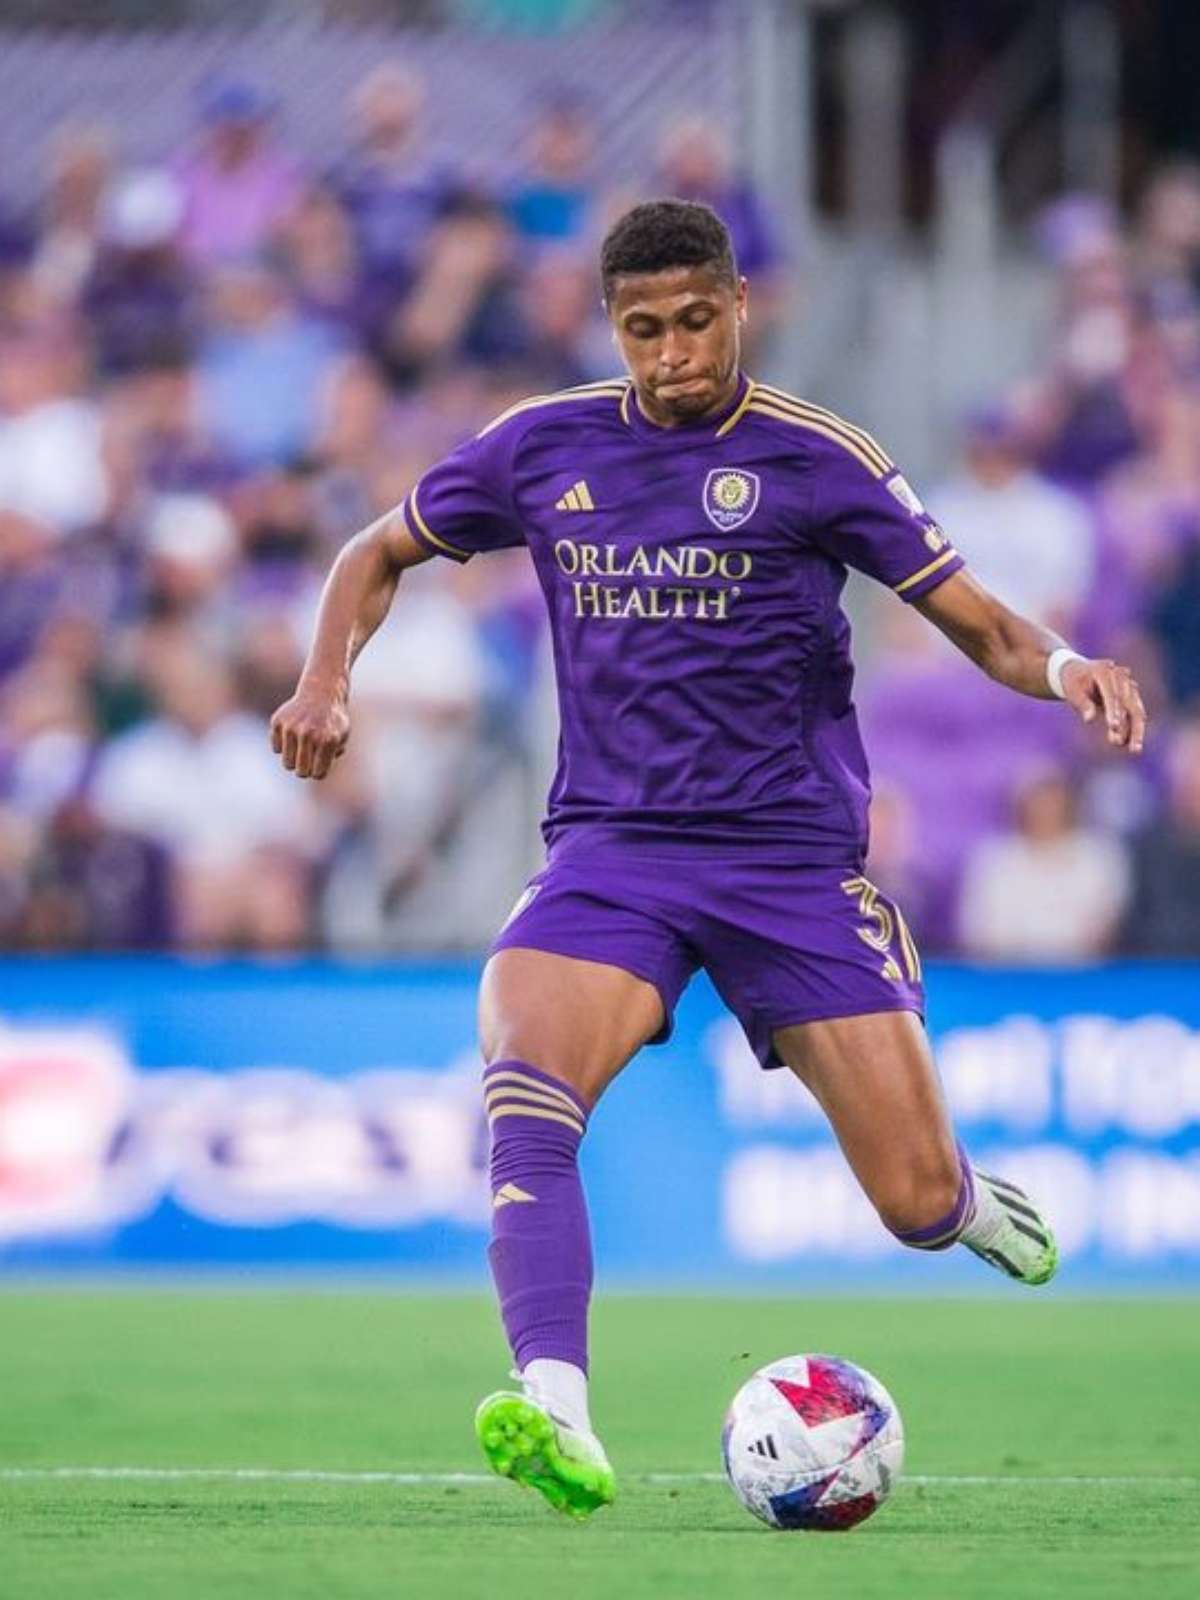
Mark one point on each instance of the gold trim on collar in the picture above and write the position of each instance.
(742, 406)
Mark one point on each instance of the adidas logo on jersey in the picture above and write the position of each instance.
(577, 498)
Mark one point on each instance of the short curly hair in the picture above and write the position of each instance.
(661, 234)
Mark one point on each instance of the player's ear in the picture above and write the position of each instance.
(741, 298)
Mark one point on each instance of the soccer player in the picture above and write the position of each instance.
(691, 529)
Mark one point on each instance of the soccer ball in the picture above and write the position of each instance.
(812, 1442)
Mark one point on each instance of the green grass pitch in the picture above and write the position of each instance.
(1023, 1388)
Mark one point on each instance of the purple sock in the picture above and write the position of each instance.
(541, 1249)
(940, 1235)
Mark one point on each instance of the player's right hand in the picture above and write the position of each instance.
(309, 731)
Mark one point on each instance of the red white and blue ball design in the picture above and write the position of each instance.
(812, 1442)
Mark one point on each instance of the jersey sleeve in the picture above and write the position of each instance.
(866, 514)
(463, 505)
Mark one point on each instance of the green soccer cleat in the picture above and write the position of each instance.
(1009, 1233)
(523, 1441)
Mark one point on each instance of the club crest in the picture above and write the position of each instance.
(730, 496)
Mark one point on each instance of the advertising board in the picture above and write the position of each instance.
(319, 1116)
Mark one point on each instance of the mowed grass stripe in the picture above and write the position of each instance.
(490, 1479)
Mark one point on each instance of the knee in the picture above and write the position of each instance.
(523, 1032)
(920, 1198)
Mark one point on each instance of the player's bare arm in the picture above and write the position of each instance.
(310, 731)
(1017, 652)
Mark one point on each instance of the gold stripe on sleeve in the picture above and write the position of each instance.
(946, 555)
(525, 1082)
(512, 1109)
(818, 427)
(806, 408)
(610, 388)
(427, 531)
(625, 404)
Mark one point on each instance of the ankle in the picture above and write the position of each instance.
(562, 1387)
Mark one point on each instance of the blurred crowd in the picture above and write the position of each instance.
(1008, 829)
(212, 372)
(215, 370)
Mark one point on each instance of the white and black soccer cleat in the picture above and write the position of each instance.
(1009, 1233)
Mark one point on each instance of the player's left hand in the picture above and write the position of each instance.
(1103, 688)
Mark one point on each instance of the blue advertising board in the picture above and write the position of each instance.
(229, 1114)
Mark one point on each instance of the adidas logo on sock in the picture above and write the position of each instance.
(509, 1194)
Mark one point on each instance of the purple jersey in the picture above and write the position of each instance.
(693, 577)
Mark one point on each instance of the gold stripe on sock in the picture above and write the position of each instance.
(535, 1097)
(509, 1109)
(528, 1082)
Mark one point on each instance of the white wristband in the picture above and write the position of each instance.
(1055, 663)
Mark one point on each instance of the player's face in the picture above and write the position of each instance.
(680, 335)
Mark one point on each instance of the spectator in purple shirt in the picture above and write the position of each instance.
(935, 728)
(93, 887)
(31, 584)
(139, 297)
(157, 415)
(393, 192)
(238, 185)
(319, 257)
(1081, 411)
(1164, 918)
(1150, 510)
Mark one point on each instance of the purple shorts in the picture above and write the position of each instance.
(782, 943)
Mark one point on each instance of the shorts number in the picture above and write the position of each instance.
(884, 926)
